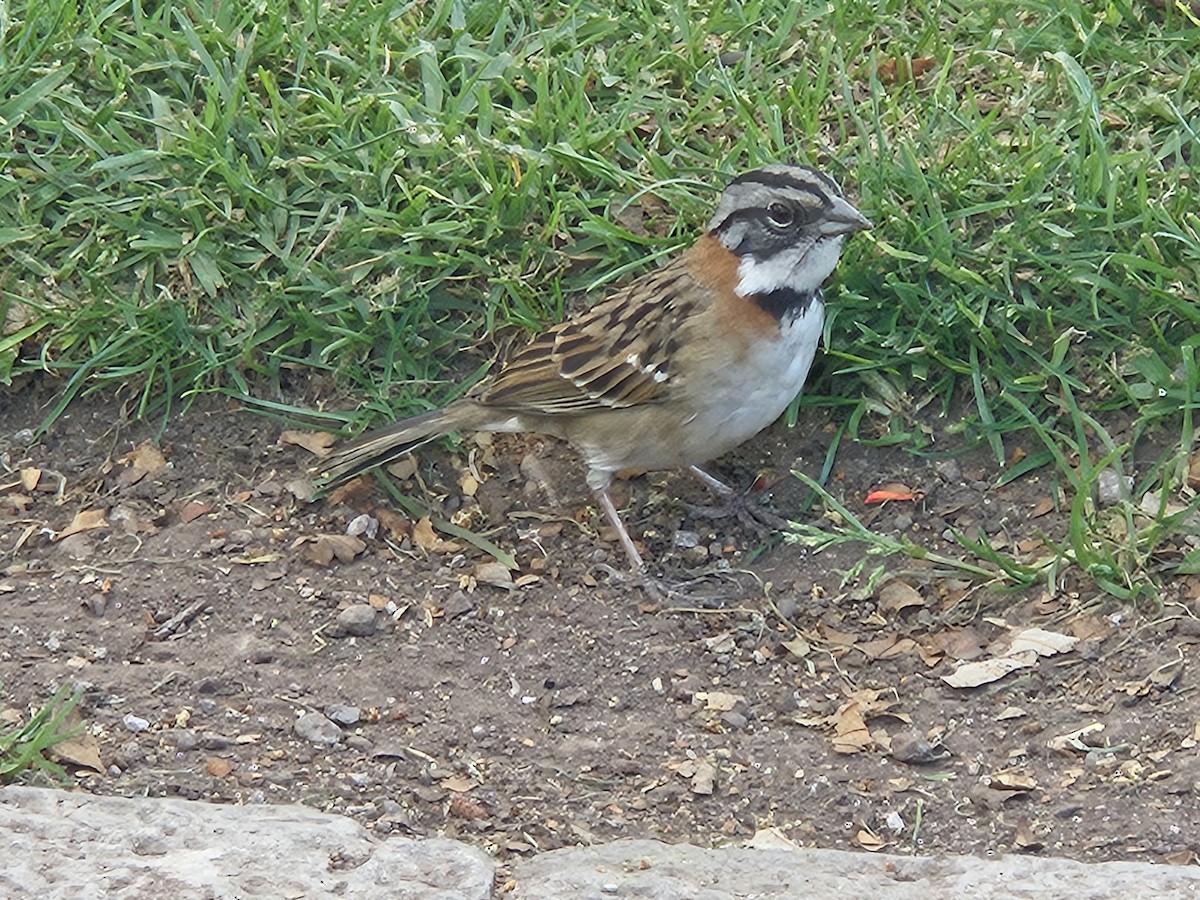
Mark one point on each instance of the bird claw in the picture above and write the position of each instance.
(750, 514)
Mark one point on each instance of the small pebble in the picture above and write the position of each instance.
(210, 740)
(685, 540)
(96, 604)
(948, 470)
(457, 604)
(23, 437)
(134, 723)
(1111, 488)
(363, 525)
(357, 620)
(734, 720)
(210, 684)
(389, 807)
(343, 715)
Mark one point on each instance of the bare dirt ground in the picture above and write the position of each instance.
(799, 697)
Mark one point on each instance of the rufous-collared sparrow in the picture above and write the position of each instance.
(681, 365)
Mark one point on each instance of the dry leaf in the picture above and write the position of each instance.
(467, 484)
(703, 777)
(892, 491)
(896, 70)
(404, 468)
(1043, 643)
(324, 548)
(425, 537)
(81, 750)
(721, 643)
(30, 478)
(1073, 742)
(877, 648)
(869, 840)
(771, 839)
(1043, 506)
(797, 646)
(1193, 475)
(851, 734)
(318, 443)
(985, 671)
(718, 701)
(146, 457)
(897, 595)
(1010, 712)
(1180, 858)
(84, 521)
(840, 638)
(1014, 781)
(494, 573)
(397, 526)
(1025, 839)
(460, 784)
(193, 510)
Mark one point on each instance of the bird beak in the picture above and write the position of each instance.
(843, 218)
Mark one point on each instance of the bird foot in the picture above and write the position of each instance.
(752, 515)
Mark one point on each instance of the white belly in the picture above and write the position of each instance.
(755, 393)
(731, 406)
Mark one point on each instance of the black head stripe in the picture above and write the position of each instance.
(788, 182)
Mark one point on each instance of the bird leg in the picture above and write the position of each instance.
(614, 519)
(655, 589)
(716, 485)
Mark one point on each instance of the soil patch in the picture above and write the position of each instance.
(237, 645)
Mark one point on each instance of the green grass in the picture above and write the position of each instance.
(23, 749)
(205, 197)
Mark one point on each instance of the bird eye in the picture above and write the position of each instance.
(781, 215)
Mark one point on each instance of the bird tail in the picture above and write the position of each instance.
(392, 441)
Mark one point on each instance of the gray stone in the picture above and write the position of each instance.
(1111, 488)
(134, 723)
(655, 869)
(65, 846)
(58, 844)
(315, 728)
(356, 621)
(343, 715)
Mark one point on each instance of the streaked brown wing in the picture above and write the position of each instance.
(615, 355)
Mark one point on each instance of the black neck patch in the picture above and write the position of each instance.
(785, 303)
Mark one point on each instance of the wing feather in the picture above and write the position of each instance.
(615, 355)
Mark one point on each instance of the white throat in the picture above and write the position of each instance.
(801, 269)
